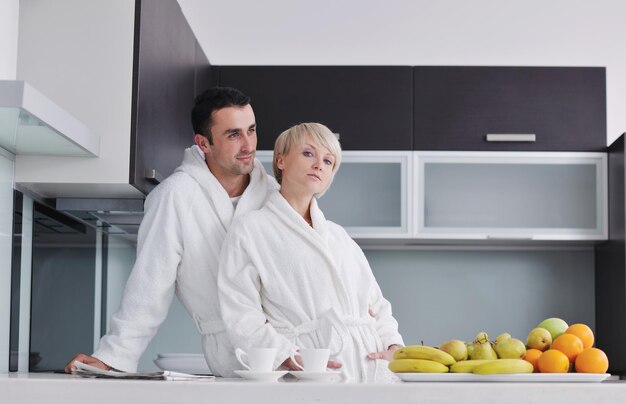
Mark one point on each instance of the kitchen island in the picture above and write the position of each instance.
(59, 388)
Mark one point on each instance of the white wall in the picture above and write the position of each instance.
(439, 295)
(420, 32)
(80, 55)
(9, 12)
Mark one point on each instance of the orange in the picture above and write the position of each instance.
(592, 360)
(569, 344)
(583, 332)
(553, 361)
(532, 356)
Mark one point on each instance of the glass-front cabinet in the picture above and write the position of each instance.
(371, 195)
(510, 195)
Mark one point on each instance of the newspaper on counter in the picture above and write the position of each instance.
(82, 369)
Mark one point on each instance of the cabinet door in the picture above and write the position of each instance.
(164, 80)
(370, 195)
(562, 108)
(514, 195)
(369, 106)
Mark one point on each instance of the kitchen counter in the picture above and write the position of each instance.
(59, 388)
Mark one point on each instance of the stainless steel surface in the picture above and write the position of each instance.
(511, 137)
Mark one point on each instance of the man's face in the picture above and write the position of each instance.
(234, 142)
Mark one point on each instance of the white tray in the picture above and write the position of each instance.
(518, 377)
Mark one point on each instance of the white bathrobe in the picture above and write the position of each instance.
(286, 285)
(179, 241)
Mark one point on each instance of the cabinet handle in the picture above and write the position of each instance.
(153, 176)
(522, 137)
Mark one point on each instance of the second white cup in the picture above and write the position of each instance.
(313, 359)
(257, 359)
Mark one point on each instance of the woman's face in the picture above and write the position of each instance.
(307, 168)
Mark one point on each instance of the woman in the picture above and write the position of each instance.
(291, 279)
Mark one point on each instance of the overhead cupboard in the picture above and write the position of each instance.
(468, 195)
(495, 153)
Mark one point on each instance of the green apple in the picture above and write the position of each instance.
(539, 338)
(456, 348)
(554, 325)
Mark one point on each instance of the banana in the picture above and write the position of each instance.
(424, 352)
(417, 366)
(468, 365)
(503, 366)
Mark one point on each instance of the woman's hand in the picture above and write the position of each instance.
(386, 355)
(288, 363)
(88, 360)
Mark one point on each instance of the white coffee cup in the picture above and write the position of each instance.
(258, 359)
(313, 359)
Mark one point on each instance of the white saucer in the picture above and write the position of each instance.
(330, 376)
(261, 376)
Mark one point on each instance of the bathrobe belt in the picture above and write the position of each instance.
(327, 323)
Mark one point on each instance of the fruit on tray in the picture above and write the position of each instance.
(508, 347)
(592, 360)
(503, 366)
(552, 347)
(556, 326)
(583, 332)
(539, 338)
(424, 352)
(417, 366)
(456, 348)
(481, 348)
(468, 365)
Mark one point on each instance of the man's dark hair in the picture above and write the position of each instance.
(211, 100)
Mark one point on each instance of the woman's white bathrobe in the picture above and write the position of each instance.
(180, 238)
(284, 284)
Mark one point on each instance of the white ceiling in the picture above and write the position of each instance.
(407, 32)
(419, 32)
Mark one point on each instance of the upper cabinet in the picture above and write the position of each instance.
(132, 82)
(511, 195)
(509, 108)
(170, 69)
(371, 194)
(370, 107)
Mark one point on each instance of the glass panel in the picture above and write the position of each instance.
(462, 195)
(22, 133)
(6, 231)
(63, 281)
(365, 195)
(16, 274)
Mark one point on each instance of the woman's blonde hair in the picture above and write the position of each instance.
(297, 134)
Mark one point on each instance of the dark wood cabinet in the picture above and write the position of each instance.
(456, 107)
(169, 70)
(611, 267)
(369, 106)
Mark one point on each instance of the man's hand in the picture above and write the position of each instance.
(89, 360)
(386, 355)
(288, 363)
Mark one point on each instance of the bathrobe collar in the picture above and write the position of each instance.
(195, 165)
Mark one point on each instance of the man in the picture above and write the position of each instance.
(180, 238)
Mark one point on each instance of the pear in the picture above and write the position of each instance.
(502, 337)
(539, 338)
(456, 348)
(509, 348)
(482, 348)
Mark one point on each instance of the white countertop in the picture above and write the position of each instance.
(58, 388)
